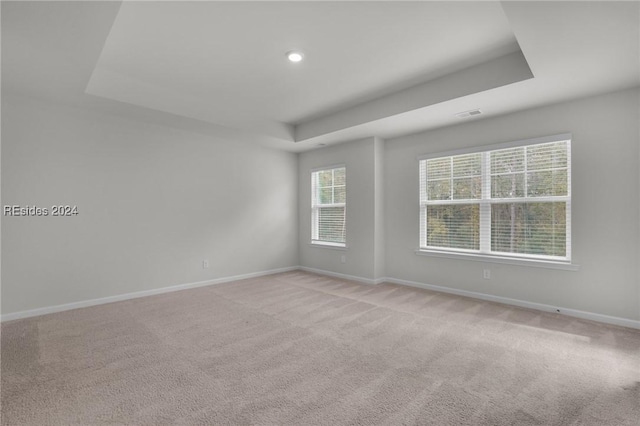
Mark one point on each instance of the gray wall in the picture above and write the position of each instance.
(153, 203)
(359, 158)
(605, 207)
(379, 246)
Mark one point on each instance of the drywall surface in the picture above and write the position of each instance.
(358, 157)
(605, 207)
(379, 255)
(153, 203)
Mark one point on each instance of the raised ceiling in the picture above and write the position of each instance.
(370, 69)
(225, 61)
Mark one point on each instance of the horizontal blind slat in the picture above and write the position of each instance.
(528, 196)
(329, 205)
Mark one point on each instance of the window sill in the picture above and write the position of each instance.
(536, 263)
(325, 244)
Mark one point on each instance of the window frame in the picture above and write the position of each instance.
(316, 207)
(485, 201)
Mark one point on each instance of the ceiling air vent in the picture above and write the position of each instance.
(468, 113)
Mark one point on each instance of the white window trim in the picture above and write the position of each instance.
(514, 144)
(314, 217)
(491, 258)
(329, 245)
(485, 254)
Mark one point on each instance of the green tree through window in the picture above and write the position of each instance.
(328, 205)
(510, 201)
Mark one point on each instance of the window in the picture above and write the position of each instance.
(513, 200)
(328, 204)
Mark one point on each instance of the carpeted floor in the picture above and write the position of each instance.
(302, 349)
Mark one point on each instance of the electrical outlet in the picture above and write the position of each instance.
(205, 264)
(486, 274)
(343, 259)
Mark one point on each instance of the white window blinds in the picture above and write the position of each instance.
(513, 201)
(453, 187)
(328, 205)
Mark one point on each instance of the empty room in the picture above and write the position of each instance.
(320, 213)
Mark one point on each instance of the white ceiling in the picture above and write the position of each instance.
(225, 62)
(371, 68)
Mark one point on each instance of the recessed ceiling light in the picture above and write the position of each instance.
(295, 56)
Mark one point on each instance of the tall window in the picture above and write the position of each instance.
(328, 204)
(509, 201)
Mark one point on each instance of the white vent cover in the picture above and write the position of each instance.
(470, 113)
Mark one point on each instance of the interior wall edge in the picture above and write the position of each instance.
(362, 280)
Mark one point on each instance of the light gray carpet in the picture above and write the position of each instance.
(303, 349)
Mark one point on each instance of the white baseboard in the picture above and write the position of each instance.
(624, 322)
(137, 294)
(343, 276)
